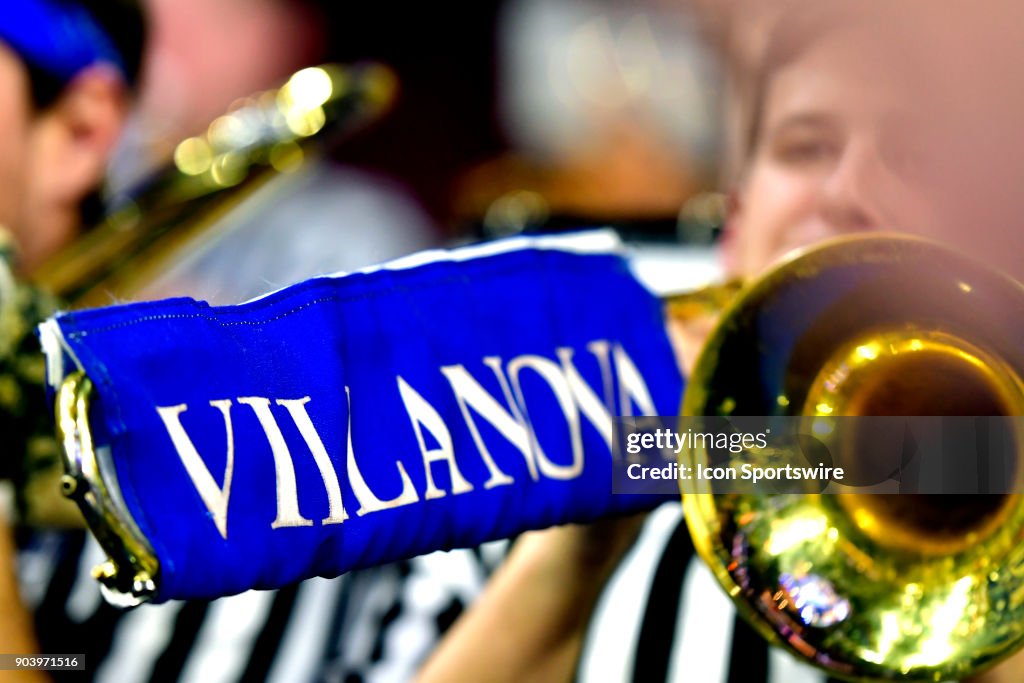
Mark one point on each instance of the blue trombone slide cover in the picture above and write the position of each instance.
(438, 401)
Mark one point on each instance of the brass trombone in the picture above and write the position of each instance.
(925, 587)
(865, 586)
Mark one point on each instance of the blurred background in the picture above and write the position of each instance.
(510, 116)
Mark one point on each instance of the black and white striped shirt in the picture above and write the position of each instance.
(662, 617)
(376, 624)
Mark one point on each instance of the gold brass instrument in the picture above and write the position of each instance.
(870, 586)
(265, 136)
(866, 586)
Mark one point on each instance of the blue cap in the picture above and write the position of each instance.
(59, 38)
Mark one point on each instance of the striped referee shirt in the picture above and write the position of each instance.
(662, 617)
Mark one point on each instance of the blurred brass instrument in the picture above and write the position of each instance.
(264, 136)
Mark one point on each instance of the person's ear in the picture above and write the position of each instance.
(80, 132)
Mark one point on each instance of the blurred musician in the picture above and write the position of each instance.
(863, 119)
(67, 69)
(67, 79)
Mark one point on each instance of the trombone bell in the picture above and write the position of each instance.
(908, 587)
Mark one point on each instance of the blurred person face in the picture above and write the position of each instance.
(879, 126)
(837, 150)
(51, 159)
(14, 122)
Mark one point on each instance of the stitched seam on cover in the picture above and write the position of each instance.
(337, 298)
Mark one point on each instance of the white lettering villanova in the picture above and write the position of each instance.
(507, 413)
